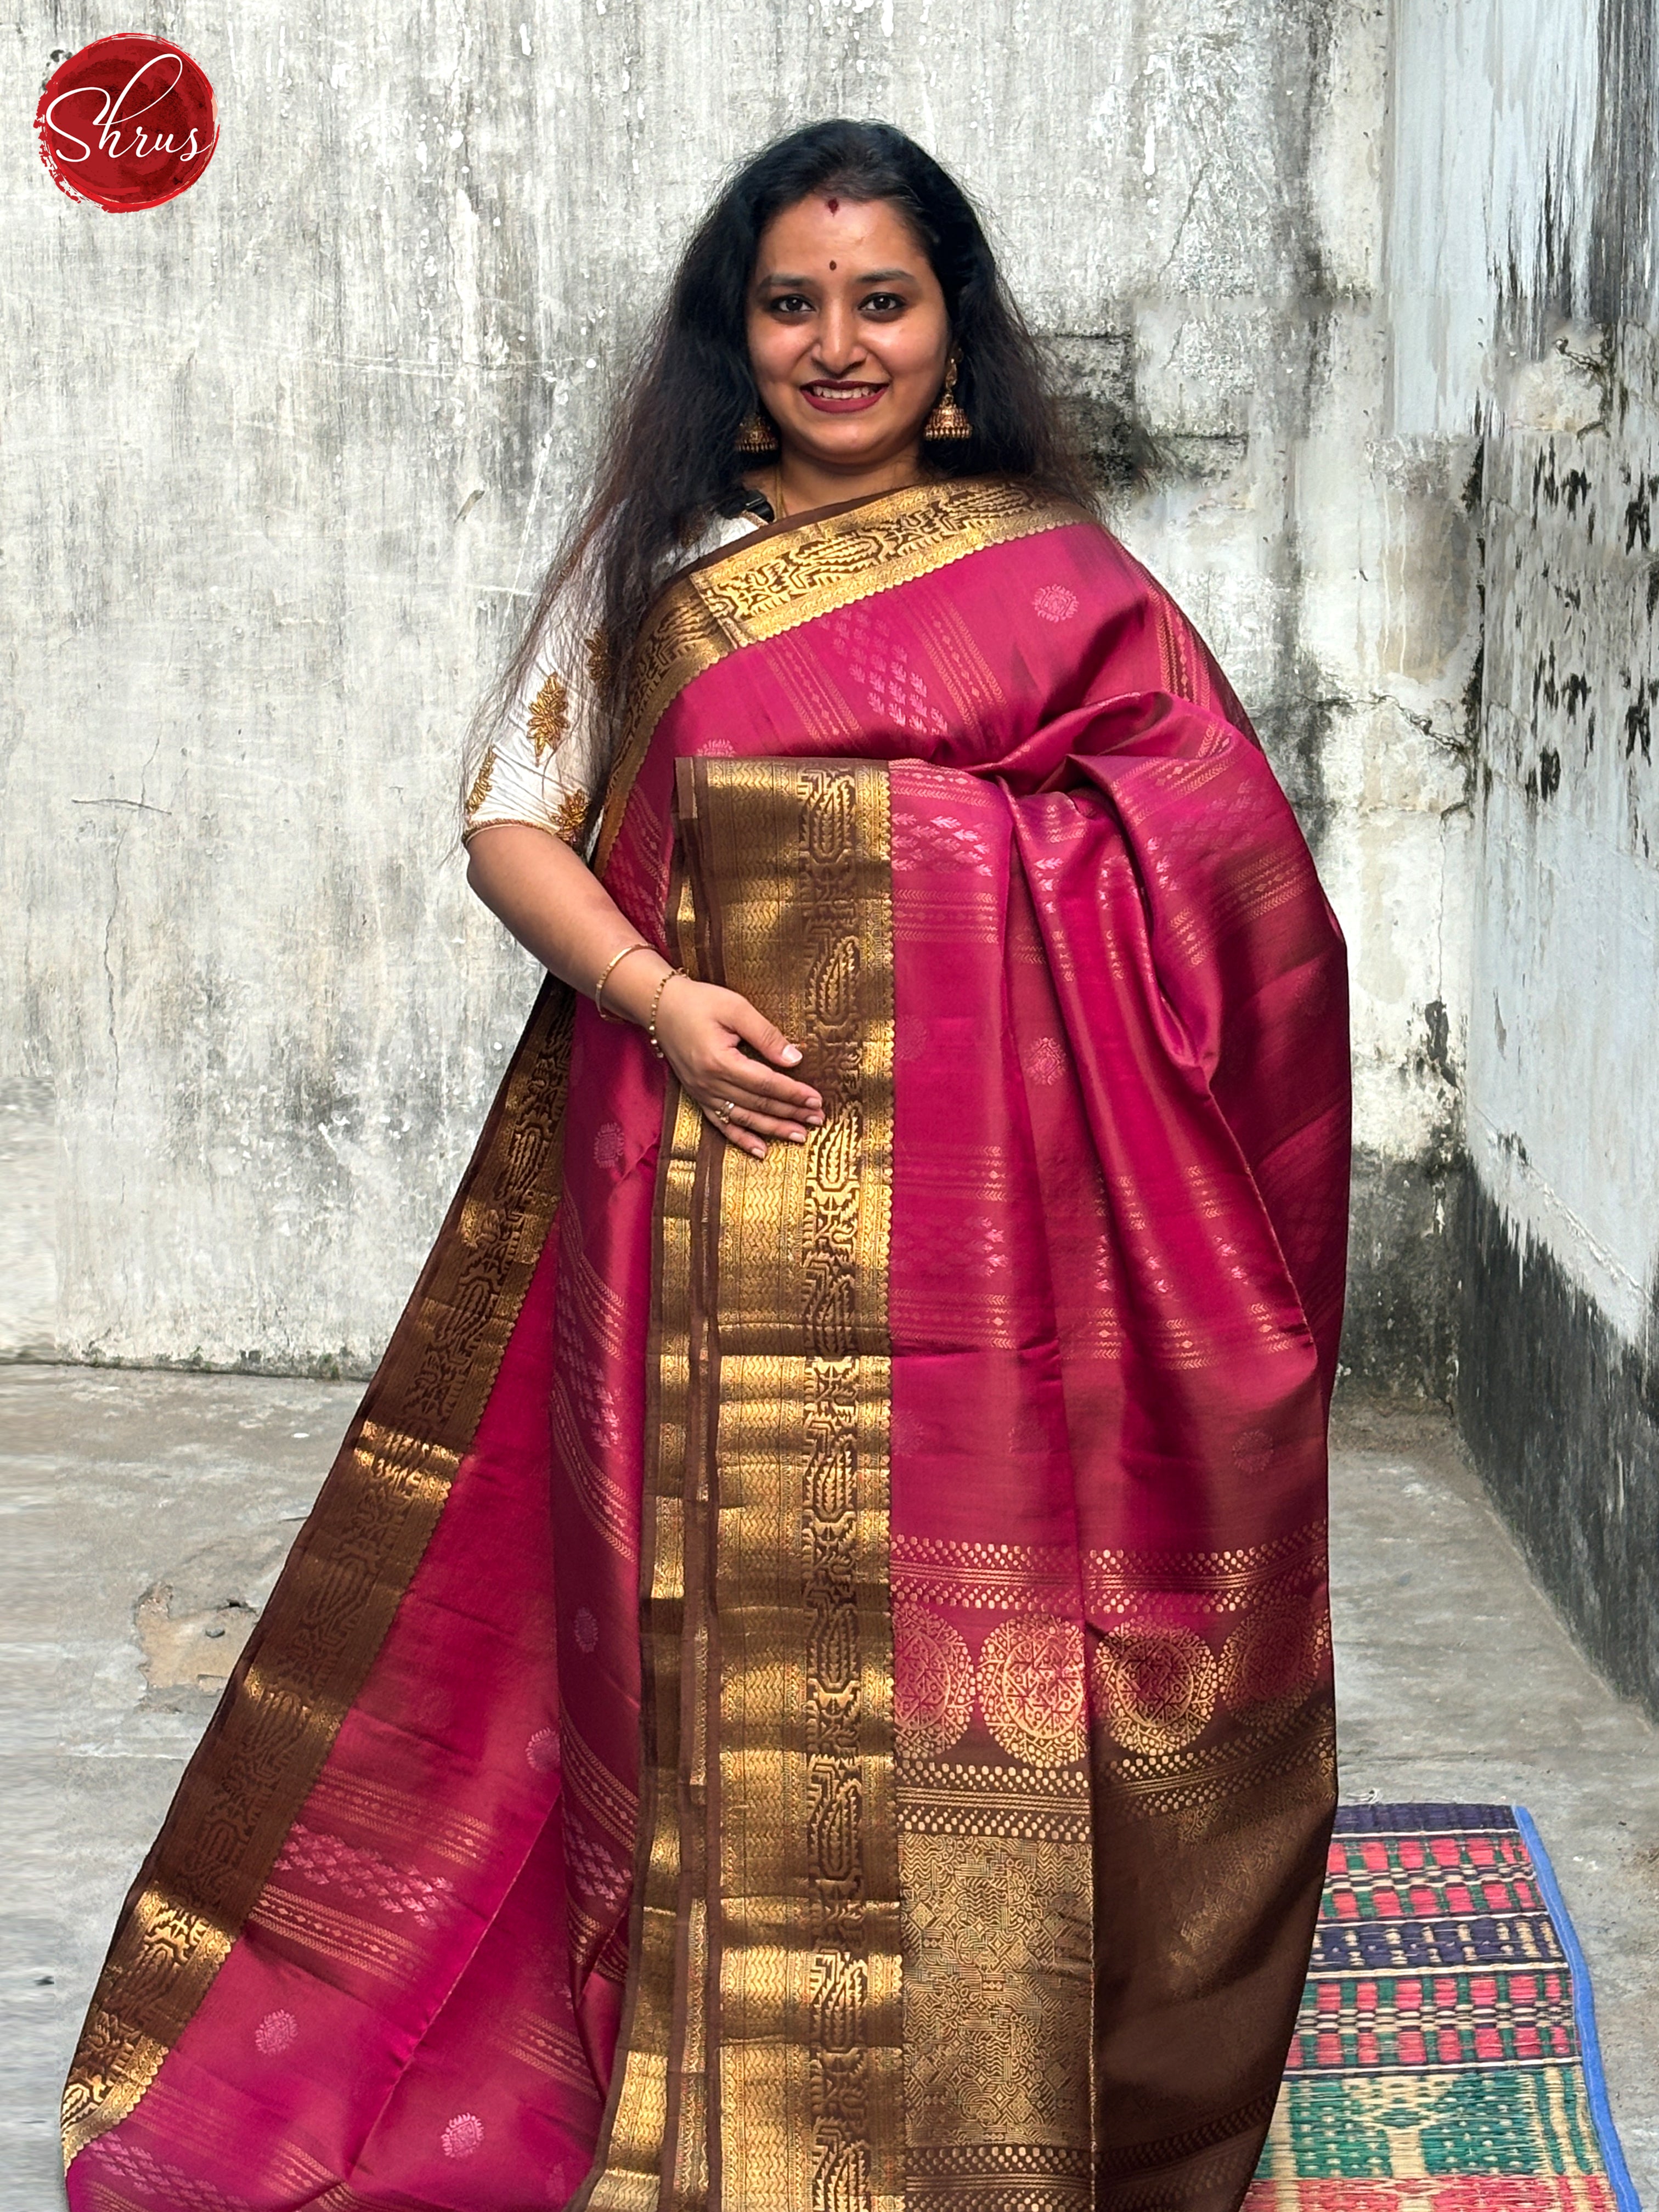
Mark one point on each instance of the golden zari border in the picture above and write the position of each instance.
(760, 589)
(329, 1613)
(762, 2060)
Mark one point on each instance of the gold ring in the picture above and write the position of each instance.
(724, 1112)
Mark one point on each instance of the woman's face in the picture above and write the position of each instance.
(848, 332)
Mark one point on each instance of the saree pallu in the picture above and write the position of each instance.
(808, 1686)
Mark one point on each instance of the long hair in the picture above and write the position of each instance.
(669, 463)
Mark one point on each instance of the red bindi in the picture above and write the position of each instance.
(832, 265)
(832, 205)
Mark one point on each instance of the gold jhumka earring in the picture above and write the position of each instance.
(757, 440)
(947, 420)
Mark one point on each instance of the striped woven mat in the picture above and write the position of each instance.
(1445, 2058)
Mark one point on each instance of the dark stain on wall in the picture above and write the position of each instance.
(1563, 1422)
(1400, 1338)
(1436, 1053)
(1094, 374)
(1627, 120)
(1638, 515)
(1638, 727)
(1294, 732)
(1540, 286)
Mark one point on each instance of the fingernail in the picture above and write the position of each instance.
(815, 1120)
(791, 1055)
(798, 1136)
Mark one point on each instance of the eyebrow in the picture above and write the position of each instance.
(870, 277)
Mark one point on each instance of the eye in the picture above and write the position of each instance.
(789, 303)
(884, 303)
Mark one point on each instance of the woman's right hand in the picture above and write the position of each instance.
(703, 1030)
(553, 905)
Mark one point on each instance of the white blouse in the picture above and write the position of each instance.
(546, 763)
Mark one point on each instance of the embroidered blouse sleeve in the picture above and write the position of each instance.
(546, 763)
(543, 764)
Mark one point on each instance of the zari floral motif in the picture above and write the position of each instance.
(480, 787)
(1276, 1651)
(550, 715)
(573, 816)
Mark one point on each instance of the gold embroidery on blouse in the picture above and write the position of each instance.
(480, 791)
(572, 817)
(598, 660)
(549, 716)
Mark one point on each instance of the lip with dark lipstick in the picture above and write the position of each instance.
(849, 398)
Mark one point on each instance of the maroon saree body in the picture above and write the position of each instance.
(808, 1686)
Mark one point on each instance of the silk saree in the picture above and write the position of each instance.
(807, 1687)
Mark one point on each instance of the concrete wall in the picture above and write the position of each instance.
(285, 456)
(1534, 317)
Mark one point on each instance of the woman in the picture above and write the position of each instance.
(899, 1764)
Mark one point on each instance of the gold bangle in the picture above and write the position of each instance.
(615, 961)
(651, 1018)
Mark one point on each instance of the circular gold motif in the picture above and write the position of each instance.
(1276, 1652)
(933, 1683)
(1253, 1451)
(1030, 1689)
(1156, 1684)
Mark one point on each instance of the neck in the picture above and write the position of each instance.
(803, 482)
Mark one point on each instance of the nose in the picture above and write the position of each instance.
(839, 349)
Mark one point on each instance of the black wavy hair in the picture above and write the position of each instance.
(669, 463)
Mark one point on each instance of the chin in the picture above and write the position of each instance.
(841, 446)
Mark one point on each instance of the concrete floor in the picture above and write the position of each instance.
(146, 1516)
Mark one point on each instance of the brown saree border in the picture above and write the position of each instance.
(328, 1616)
(769, 584)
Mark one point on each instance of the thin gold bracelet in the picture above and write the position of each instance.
(615, 961)
(651, 1018)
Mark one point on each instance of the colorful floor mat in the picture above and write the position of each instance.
(1445, 2059)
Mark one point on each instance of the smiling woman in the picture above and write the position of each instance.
(848, 337)
(808, 1687)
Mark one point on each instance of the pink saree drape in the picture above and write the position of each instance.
(809, 1684)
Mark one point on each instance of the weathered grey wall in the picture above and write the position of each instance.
(284, 455)
(1534, 317)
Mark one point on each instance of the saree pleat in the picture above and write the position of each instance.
(827, 1702)
(987, 1598)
